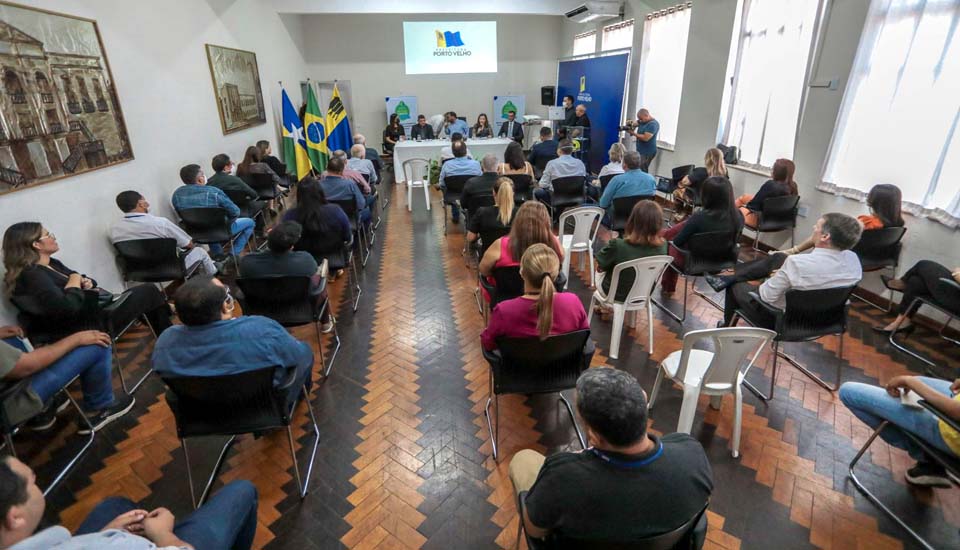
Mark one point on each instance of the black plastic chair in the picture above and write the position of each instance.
(349, 207)
(231, 405)
(950, 463)
(152, 261)
(451, 195)
(249, 208)
(337, 253)
(264, 186)
(689, 536)
(778, 214)
(622, 207)
(809, 315)
(10, 424)
(540, 165)
(509, 284)
(880, 249)
(605, 180)
(948, 292)
(706, 253)
(522, 187)
(210, 226)
(667, 185)
(531, 365)
(568, 192)
(289, 301)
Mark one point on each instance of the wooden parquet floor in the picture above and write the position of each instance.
(405, 458)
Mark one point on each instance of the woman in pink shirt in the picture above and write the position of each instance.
(541, 311)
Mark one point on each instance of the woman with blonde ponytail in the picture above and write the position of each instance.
(541, 311)
(491, 218)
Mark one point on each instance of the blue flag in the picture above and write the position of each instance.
(338, 126)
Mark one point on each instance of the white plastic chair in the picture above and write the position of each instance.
(417, 173)
(586, 225)
(713, 373)
(648, 272)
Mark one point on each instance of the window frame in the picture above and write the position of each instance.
(582, 35)
(627, 23)
(648, 19)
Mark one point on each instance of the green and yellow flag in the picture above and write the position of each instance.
(316, 135)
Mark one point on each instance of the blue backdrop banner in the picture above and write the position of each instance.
(406, 107)
(599, 83)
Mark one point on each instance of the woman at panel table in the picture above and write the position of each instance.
(780, 183)
(541, 311)
(530, 226)
(514, 161)
(393, 133)
(482, 128)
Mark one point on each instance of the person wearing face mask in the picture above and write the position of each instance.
(211, 342)
(569, 116)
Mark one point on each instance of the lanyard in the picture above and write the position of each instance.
(629, 464)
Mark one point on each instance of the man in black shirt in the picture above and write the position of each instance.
(480, 187)
(544, 150)
(239, 192)
(628, 485)
(421, 130)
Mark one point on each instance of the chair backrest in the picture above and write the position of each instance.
(237, 197)
(366, 176)
(207, 225)
(324, 245)
(455, 184)
(680, 172)
(569, 186)
(489, 236)
(531, 365)
(623, 206)
(521, 185)
(349, 207)
(226, 405)
(735, 350)
(605, 180)
(542, 161)
(779, 213)
(416, 170)
(811, 314)
(880, 247)
(263, 182)
(150, 260)
(647, 274)
(711, 252)
(509, 284)
(585, 225)
(286, 300)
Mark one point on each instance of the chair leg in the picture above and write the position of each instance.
(593, 271)
(76, 458)
(737, 417)
(444, 219)
(656, 388)
(683, 313)
(494, 436)
(688, 410)
(593, 302)
(813, 376)
(355, 282)
(8, 441)
(409, 197)
(573, 418)
(328, 366)
(618, 314)
(773, 376)
(426, 193)
(566, 264)
(303, 486)
(650, 327)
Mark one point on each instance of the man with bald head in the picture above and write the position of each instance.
(646, 134)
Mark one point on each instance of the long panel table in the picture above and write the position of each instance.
(430, 150)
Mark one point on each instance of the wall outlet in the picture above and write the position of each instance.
(802, 210)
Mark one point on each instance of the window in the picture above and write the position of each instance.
(766, 74)
(662, 60)
(617, 36)
(585, 43)
(899, 116)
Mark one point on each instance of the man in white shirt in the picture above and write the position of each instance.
(138, 223)
(831, 264)
(359, 162)
(565, 165)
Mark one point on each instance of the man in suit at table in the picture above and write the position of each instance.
(512, 128)
(421, 130)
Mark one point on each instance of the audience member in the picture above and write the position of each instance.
(780, 183)
(634, 182)
(393, 133)
(646, 133)
(371, 154)
(338, 188)
(541, 311)
(830, 265)
(251, 164)
(565, 165)
(921, 281)
(359, 163)
(421, 130)
(478, 191)
(49, 368)
(353, 175)
(57, 301)
(224, 180)
(459, 165)
(137, 223)
(874, 405)
(482, 128)
(717, 214)
(512, 128)
(544, 150)
(498, 216)
(513, 161)
(211, 342)
(453, 125)
(688, 188)
(641, 238)
(615, 166)
(280, 260)
(195, 193)
(446, 152)
(666, 480)
(319, 219)
(278, 167)
(227, 521)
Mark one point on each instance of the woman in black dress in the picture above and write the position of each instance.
(393, 133)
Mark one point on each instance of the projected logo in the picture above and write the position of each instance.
(584, 95)
(450, 44)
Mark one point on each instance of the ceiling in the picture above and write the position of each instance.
(540, 7)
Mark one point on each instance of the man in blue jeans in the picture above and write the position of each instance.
(195, 193)
(85, 354)
(874, 404)
(227, 521)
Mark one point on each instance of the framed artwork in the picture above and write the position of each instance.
(59, 110)
(236, 84)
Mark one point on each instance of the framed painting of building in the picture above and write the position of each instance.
(59, 110)
(236, 84)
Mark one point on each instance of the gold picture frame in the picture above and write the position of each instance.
(236, 88)
(61, 113)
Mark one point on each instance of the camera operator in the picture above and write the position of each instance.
(646, 132)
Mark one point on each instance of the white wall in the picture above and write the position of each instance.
(157, 57)
(711, 28)
(368, 51)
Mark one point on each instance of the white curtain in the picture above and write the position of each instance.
(766, 76)
(585, 43)
(662, 61)
(617, 36)
(898, 121)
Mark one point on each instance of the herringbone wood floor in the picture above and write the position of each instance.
(405, 455)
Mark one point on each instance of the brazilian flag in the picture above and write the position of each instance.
(315, 133)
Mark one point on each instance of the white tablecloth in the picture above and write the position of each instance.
(430, 150)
